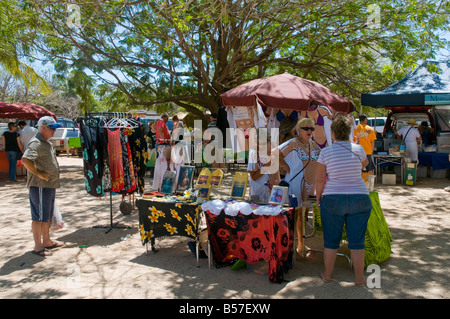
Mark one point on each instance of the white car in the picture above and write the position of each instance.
(376, 123)
(60, 139)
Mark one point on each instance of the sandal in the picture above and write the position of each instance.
(42, 252)
(55, 245)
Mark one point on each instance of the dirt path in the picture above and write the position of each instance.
(97, 265)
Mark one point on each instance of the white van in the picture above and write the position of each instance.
(376, 123)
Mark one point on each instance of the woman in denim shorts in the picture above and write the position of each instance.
(343, 198)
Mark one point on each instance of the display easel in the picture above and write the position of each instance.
(114, 120)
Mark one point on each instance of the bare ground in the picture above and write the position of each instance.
(95, 265)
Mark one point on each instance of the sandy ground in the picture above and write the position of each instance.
(96, 265)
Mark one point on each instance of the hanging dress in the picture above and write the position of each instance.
(115, 160)
(92, 157)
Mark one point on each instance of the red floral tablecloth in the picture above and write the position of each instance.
(253, 238)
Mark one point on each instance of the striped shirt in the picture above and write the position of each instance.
(343, 165)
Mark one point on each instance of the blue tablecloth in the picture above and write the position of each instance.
(435, 160)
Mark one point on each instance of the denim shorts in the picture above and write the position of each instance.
(42, 203)
(351, 210)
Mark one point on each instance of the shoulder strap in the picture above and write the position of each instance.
(407, 133)
(309, 160)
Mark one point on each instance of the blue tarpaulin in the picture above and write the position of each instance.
(420, 87)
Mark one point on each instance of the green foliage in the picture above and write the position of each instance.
(17, 31)
(185, 54)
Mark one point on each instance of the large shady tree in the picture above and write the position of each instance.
(187, 53)
(17, 33)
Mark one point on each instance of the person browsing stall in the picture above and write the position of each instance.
(42, 181)
(260, 159)
(411, 136)
(300, 156)
(343, 198)
(13, 145)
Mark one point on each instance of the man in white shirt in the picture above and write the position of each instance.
(411, 136)
(26, 134)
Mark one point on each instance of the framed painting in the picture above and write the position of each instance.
(204, 192)
(216, 178)
(278, 195)
(239, 185)
(204, 177)
(185, 178)
(168, 182)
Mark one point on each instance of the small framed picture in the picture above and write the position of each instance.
(168, 182)
(204, 177)
(185, 178)
(278, 195)
(204, 192)
(239, 186)
(216, 178)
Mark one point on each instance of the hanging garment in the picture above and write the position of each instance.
(92, 156)
(128, 183)
(139, 152)
(104, 151)
(115, 160)
(133, 176)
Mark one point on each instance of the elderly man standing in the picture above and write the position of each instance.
(42, 180)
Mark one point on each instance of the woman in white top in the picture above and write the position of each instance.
(343, 198)
(411, 136)
(300, 156)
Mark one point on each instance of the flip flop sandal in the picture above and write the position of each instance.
(55, 245)
(42, 252)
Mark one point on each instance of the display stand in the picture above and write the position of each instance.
(111, 223)
(119, 120)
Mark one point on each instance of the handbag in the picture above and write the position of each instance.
(19, 155)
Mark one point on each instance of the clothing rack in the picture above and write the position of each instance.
(110, 116)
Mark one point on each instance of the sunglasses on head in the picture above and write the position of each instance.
(308, 128)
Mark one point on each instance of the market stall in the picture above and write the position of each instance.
(264, 102)
(24, 111)
(21, 111)
(423, 94)
(251, 232)
(114, 156)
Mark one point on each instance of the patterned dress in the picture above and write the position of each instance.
(92, 157)
(115, 160)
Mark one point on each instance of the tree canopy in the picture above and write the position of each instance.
(16, 41)
(187, 53)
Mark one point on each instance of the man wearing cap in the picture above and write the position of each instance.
(42, 180)
(411, 136)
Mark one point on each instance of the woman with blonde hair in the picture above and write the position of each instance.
(300, 156)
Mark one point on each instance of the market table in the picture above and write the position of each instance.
(387, 160)
(258, 233)
(437, 161)
(167, 218)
